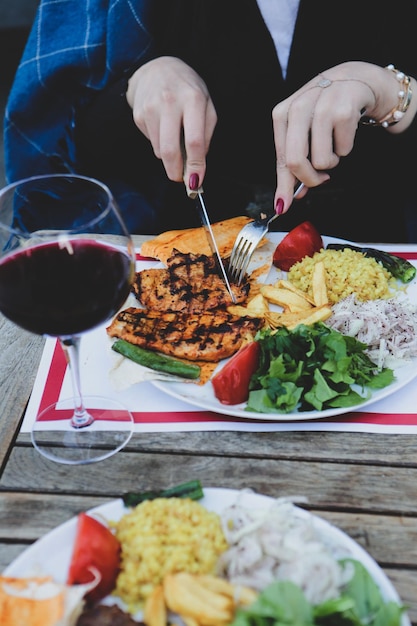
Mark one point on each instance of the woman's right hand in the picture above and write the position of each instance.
(171, 104)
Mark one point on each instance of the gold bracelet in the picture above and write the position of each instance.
(404, 98)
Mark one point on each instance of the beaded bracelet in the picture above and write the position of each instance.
(404, 98)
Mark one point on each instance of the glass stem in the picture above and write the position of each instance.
(81, 418)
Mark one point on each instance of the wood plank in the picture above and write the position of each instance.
(391, 490)
(363, 448)
(20, 353)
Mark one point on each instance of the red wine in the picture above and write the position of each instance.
(64, 288)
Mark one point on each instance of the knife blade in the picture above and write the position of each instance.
(205, 220)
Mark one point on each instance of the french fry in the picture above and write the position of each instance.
(200, 600)
(244, 595)
(242, 311)
(240, 594)
(318, 314)
(155, 612)
(286, 284)
(291, 320)
(186, 596)
(319, 285)
(258, 304)
(284, 297)
(255, 307)
(189, 621)
(217, 584)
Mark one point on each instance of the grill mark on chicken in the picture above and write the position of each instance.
(190, 283)
(204, 337)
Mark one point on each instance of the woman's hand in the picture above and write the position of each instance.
(316, 126)
(171, 104)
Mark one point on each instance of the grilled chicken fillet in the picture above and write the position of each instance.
(209, 336)
(190, 283)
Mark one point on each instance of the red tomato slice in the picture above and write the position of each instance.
(95, 546)
(303, 240)
(231, 384)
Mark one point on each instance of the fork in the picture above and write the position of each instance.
(248, 240)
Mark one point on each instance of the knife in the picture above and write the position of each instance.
(205, 220)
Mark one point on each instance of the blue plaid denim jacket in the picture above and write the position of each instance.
(99, 41)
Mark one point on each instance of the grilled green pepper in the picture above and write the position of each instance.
(398, 267)
(156, 361)
(191, 489)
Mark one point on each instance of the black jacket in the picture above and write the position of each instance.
(369, 198)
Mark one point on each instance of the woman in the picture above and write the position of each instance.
(118, 92)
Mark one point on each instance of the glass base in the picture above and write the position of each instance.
(54, 437)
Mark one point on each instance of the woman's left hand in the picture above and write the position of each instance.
(316, 126)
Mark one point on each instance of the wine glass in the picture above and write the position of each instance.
(67, 263)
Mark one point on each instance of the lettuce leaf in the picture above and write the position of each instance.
(361, 603)
(312, 368)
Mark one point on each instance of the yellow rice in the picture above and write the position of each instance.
(164, 536)
(347, 272)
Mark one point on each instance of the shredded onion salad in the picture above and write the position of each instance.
(280, 543)
(388, 327)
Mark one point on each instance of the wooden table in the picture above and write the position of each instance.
(364, 483)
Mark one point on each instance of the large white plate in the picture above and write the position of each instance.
(203, 396)
(51, 554)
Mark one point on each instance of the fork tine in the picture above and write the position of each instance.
(243, 254)
(237, 256)
(247, 241)
(246, 260)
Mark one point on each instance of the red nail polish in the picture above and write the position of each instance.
(194, 182)
(279, 206)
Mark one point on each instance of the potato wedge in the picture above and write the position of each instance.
(286, 284)
(186, 596)
(255, 307)
(189, 621)
(242, 311)
(155, 612)
(286, 298)
(240, 594)
(258, 304)
(319, 285)
(318, 314)
(291, 320)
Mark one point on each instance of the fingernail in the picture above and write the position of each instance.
(279, 206)
(193, 182)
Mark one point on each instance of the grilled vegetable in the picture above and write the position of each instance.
(156, 361)
(95, 547)
(398, 267)
(303, 240)
(191, 489)
(231, 384)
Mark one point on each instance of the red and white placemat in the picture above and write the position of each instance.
(155, 411)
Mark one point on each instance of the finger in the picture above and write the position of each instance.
(198, 131)
(332, 136)
(285, 178)
(301, 119)
(170, 131)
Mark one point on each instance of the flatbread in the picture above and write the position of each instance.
(194, 240)
(32, 601)
(40, 601)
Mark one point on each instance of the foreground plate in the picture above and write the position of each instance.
(203, 396)
(52, 553)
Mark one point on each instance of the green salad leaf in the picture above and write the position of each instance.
(312, 368)
(361, 603)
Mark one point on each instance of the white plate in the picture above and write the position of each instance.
(51, 554)
(203, 396)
